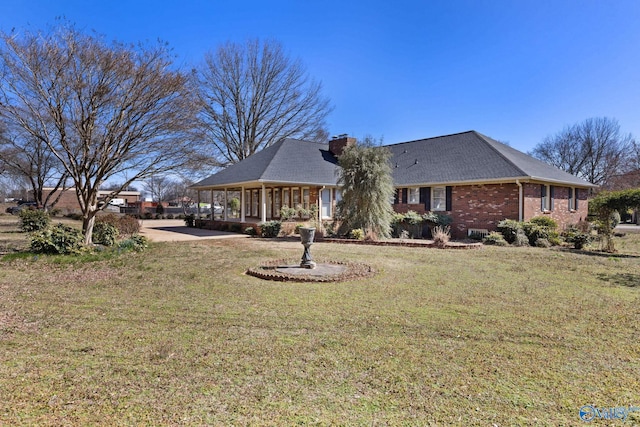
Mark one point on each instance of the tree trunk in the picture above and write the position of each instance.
(88, 221)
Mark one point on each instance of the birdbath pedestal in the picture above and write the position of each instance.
(306, 236)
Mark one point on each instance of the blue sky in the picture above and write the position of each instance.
(514, 70)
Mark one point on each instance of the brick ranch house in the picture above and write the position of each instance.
(476, 180)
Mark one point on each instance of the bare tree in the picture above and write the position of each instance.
(159, 187)
(594, 149)
(254, 95)
(23, 155)
(103, 109)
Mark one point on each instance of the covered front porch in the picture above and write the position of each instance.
(260, 203)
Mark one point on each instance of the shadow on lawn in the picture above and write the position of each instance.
(630, 280)
(597, 253)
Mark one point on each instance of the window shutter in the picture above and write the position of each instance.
(425, 197)
(575, 196)
(543, 195)
(551, 197)
(449, 192)
(404, 195)
(396, 198)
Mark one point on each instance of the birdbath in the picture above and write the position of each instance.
(306, 235)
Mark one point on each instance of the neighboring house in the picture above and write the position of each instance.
(69, 199)
(476, 180)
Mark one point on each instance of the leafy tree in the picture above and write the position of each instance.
(367, 189)
(102, 109)
(254, 95)
(595, 149)
(607, 203)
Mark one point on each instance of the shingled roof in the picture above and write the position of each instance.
(287, 161)
(469, 157)
(466, 157)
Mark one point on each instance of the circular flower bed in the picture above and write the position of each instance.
(288, 270)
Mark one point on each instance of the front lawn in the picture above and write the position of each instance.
(179, 335)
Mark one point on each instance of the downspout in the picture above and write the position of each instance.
(520, 200)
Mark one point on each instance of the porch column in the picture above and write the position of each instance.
(198, 208)
(263, 205)
(224, 206)
(211, 200)
(242, 204)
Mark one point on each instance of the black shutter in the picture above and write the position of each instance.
(551, 187)
(425, 197)
(543, 194)
(396, 198)
(404, 196)
(448, 192)
(575, 195)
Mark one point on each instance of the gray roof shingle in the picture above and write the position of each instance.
(458, 158)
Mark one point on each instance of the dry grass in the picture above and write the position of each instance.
(179, 335)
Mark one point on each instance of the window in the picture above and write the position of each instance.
(247, 203)
(276, 200)
(305, 198)
(256, 212)
(285, 198)
(573, 199)
(438, 198)
(546, 197)
(414, 196)
(296, 197)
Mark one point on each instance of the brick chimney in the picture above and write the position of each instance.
(339, 143)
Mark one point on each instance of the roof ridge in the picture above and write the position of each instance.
(426, 139)
(490, 142)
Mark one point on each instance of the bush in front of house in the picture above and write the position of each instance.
(33, 220)
(521, 239)
(59, 239)
(441, 235)
(495, 238)
(510, 228)
(105, 233)
(250, 231)
(357, 233)
(579, 235)
(271, 229)
(190, 220)
(544, 221)
(287, 213)
(535, 232)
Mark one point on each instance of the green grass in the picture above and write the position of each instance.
(179, 335)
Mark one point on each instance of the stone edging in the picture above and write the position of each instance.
(267, 271)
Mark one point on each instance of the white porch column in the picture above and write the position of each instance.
(224, 206)
(242, 204)
(211, 200)
(198, 208)
(263, 205)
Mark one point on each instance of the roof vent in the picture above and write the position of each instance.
(416, 162)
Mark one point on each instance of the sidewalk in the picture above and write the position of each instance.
(174, 230)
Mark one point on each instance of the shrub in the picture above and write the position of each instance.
(134, 243)
(59, 239)
(170, 216)
(270, 229)
(554, 238)
(128, 225)
(159, 209)
(147, 215)
(535, 232)
(33, 220)
(578, 236)
(55, 212)
(544, 221)
(614, 218)
(190, 220)
(495, 238)
(287, 213)
(441, 235)
(509, 229)
(434, 219)
(542, 243)
(521, 238)
(329, 228)
(298, 227)
(105, 233)
(235, 227)
(357, 234)
(412, 222)
(396, 224)
(250, 231)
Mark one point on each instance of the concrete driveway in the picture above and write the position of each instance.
(174, 230)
